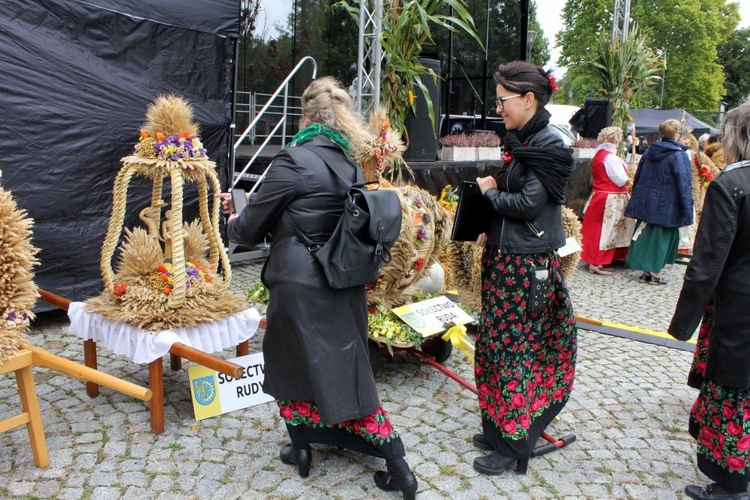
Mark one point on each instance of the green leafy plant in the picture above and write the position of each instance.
(385, 326)
(623, 69)
(407, 28)
(257, 294)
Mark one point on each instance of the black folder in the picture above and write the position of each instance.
(473, 214)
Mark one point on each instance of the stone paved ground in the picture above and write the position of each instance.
(629, 411)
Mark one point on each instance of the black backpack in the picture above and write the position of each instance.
(367, 230)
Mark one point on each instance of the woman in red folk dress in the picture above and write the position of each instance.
(606, 231)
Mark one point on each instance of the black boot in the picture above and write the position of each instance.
(715, 491)
(398, 478)
(299, 456)
(481, 442)
(494, 464)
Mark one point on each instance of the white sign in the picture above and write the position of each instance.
(429, 317)
(215, 393)
(571, 247)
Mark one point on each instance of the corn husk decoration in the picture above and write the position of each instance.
(462, 262)
(166, 276)
(424, 222)
(18, 293)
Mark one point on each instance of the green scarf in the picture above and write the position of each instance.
(316, 129)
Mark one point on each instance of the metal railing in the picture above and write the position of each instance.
(270, 107)
(270, 111)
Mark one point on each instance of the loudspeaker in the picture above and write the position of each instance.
(592, 118)
(423, 142)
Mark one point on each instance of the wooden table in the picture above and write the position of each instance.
(21, 363)
(156, 368)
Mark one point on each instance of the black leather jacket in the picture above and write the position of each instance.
(719, 273)
(525, 219)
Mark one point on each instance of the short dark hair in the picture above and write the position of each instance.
(712, 138)
(522, 77)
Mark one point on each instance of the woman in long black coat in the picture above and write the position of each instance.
(716, 291)
(315, 345)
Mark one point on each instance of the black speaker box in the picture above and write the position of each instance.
(423, 142)
(592, 118)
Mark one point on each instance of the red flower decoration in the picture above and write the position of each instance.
(507, 157)
(119, 289)
(419, 264)
(553, 83)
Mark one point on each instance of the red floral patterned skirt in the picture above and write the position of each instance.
(719, 420)
(525, 362)
(372, 434)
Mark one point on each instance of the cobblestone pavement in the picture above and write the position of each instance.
(628, 410)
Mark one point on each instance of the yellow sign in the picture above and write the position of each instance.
(429, 317)
(215, 393)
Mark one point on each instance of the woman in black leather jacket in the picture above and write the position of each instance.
(716, 289)
(526, 344)
(317, 363)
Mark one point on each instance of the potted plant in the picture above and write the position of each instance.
(488, 146)
(584, 148)
(458, 147)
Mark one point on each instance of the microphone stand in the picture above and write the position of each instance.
(474, 98)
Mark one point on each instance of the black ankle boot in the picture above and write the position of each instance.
(481, 442)
(398, 478)
(494, 464)
(714, 491)
(406, 484)
(301, 457)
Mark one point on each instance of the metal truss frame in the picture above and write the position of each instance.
(369, 56)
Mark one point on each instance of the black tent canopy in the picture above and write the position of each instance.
(76, 78)
(647, 122)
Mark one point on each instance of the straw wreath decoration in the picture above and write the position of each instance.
(166, 276)
(18, 293)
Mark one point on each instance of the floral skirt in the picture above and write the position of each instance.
(719, 420)
(525, 362)
(373, 434)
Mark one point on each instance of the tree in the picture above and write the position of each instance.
(329, 36)
(734, 55)
(689, 34)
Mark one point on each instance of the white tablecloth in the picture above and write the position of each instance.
(143, 346)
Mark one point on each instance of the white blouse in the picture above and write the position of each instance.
(616, 169)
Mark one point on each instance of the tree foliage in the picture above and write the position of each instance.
(734, 55)
(688, 33)
(328, 35)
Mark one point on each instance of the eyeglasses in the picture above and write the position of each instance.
(500, 101)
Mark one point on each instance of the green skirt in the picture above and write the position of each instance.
(654, 248)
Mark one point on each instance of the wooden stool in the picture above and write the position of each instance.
(21, 364)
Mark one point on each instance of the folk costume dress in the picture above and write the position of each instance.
(715, 294)
(606, 232)
(317, 363)
(525, 361)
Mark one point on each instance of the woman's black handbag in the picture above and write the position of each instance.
(363, 238)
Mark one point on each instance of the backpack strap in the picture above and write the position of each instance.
(333, 161)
